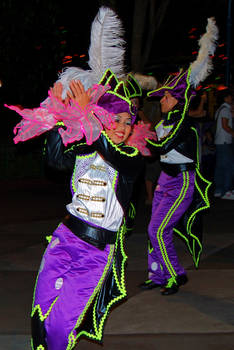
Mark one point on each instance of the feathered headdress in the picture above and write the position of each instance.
(107, 49)
(183, 84)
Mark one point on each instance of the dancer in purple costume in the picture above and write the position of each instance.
(82, 271)
(181, 192)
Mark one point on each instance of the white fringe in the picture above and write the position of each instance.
(203, 66)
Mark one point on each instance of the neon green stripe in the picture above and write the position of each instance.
(121, 285)
(71, 337)
(167, 219)
(133, 154)
(114, 180)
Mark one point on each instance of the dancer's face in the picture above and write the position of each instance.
(121, 128)
(168, 102)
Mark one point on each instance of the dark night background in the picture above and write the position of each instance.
(37, 35)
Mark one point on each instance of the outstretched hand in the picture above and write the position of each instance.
(78, 94)
(57, 91)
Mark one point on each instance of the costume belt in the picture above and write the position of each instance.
(97, 236)
(175, 169)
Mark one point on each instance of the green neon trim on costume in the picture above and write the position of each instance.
(170, 282)
(48, 238)
(165, 87)
(132, 211)
(59, 123)
(114, 180)
(148, 281)
(136, 93)
(121, 284)
(165, 222)
(197, 153)
(196, 257)
(133, 154)
(171, 112)
(150, 248)
(75, 146)
(111, 77)
(38, 307)
(192, 218)
(96, 290)
(40, 347)
(159, 123)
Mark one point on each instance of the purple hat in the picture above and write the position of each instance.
(178, 86)
(117, 99)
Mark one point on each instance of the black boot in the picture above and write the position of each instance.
(149, 284)
(170, 288)
(181, 279)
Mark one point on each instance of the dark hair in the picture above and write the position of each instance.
(222, 95)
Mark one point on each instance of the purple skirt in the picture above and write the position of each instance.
(76, 285)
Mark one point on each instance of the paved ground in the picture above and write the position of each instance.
(200, 316)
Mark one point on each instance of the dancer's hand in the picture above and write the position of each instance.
(57, 91)
(78, 93)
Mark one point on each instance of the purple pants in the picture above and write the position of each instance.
(71, 274)
(172, 197)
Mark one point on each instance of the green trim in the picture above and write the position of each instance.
(75, 146)
(172, 112)
(132, 211)
(165, 222)
(40, 347)
(197, 153)
(136, 93)
(71, 338)
(48, 238)
(166, 87)
(133, 154)
(114, 180)
(150, 247)
(38, 307)
(196, 257)
(159, 123)
(148, 281)
(59, 123)
(121, 286)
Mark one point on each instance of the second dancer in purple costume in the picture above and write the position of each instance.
(181, 192)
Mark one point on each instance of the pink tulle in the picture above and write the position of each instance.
(79, 122)
(141, 132)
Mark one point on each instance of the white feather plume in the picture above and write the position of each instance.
(107, 46)
(202, 67)
(106, 50)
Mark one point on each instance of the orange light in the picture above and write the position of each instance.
(222, 87)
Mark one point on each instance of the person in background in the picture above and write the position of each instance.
(224, 166)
